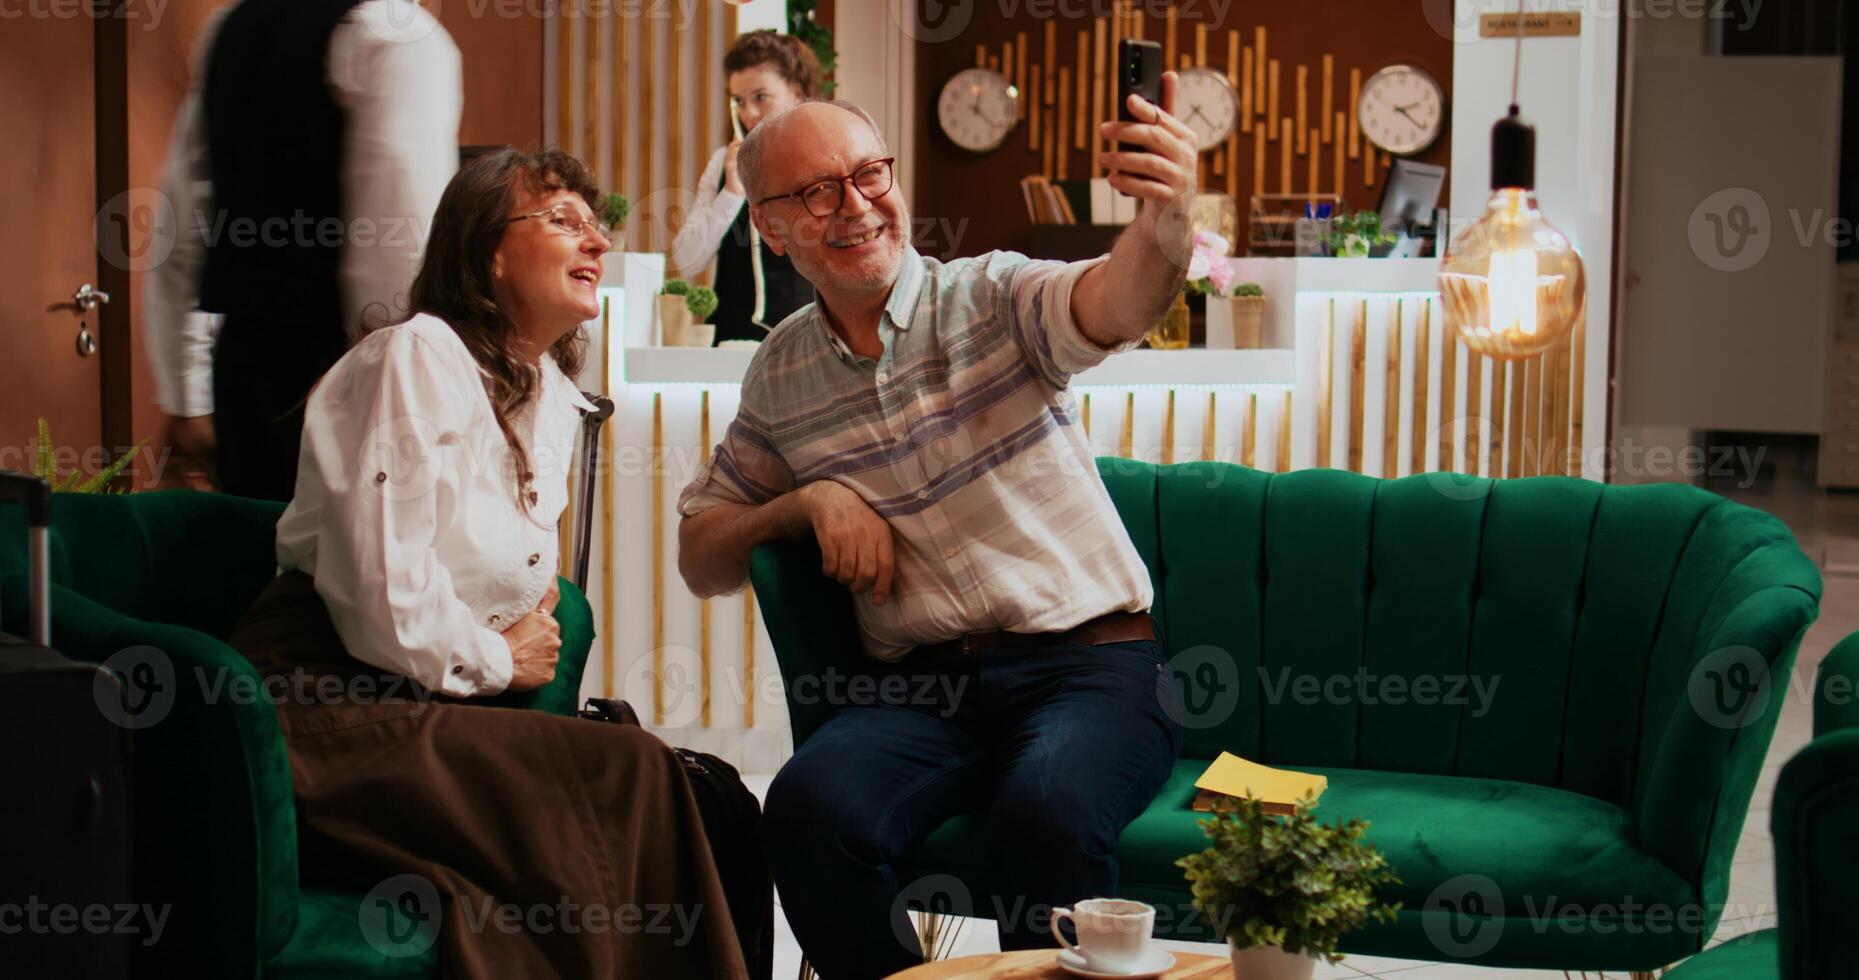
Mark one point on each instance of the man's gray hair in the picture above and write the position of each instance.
(749, 155)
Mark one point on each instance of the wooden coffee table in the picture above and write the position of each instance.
(1042, 964)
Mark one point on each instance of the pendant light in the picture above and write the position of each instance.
(1511, 284)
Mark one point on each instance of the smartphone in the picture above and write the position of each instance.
(1139, 71)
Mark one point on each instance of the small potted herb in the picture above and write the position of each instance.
(1285, 889)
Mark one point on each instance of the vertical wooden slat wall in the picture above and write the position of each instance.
(641, 99)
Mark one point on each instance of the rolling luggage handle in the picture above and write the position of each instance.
(36, 497)
(590, 470)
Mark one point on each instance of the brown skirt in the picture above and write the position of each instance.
(522, 844)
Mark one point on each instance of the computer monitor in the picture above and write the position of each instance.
(1410, 194)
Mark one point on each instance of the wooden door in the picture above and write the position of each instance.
(47, 250)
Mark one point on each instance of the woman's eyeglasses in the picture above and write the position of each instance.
(566, 218)
(823, 197)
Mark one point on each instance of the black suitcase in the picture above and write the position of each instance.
(64, 766)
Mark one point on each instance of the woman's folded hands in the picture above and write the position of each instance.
(535, 644)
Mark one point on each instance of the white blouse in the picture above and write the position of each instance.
(405, 511)
(707, 220)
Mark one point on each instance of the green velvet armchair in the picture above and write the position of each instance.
(1548, 696)
(215, 821)
(1815, 821)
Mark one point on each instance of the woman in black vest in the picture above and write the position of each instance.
(756, 289)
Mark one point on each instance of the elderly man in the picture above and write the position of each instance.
(915, 419)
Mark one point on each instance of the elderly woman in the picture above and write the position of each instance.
(766, 74)
(422, 543)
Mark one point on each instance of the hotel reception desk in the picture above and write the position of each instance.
(1357, 372)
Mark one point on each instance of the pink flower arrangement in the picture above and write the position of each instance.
(1210, 270)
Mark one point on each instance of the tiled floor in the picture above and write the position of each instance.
(1828, 527)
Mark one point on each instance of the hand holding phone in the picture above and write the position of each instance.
(1155, 154)
(1139, 72)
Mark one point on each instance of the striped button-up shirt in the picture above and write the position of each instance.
(963, 436)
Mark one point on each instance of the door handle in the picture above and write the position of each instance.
(89, 297)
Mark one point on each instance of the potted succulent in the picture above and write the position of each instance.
(700, 302)
(682, 308)
(1358, 235)
(1285, 889)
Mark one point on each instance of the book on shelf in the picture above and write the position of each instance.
(1230, 777)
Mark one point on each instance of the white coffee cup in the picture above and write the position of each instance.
(1113, 933)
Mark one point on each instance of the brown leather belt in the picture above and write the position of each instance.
(1118, 627)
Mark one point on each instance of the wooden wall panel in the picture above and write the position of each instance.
(1353, 39)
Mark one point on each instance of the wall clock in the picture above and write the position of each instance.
(1402, 109)
(1206, 102)
(977, 109)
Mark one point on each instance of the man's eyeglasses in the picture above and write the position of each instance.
(566, 218)
(825, 196)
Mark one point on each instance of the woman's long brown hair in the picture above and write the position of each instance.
(455, 278)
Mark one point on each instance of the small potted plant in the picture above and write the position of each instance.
(1355, 236)
(674, 313)
(700, 302)
(1247, 308)
(1286, 889)
(614, 214)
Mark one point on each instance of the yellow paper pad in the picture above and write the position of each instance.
(1231, 775)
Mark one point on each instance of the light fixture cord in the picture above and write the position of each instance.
(1516, 64)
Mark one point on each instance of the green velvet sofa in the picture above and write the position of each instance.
(1815, 822)
(215, 820)
(1579, 811)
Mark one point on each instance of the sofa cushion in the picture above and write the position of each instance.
(1751, 957)
(1543, 850)
(329, 942)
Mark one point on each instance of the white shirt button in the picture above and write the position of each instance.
(923, 494)
(883, 378)
(949, 552)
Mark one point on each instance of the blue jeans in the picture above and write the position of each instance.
(1058, 747)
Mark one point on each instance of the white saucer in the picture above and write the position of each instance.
(1155, 962)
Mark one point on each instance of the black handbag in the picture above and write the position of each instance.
(732, 823)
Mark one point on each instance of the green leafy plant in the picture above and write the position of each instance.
(801, 24)
(674, 287)
(1352, 235)
(1248, 289)
(1287, 881)
(701, 301)
(45, 467)
(615, 212)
